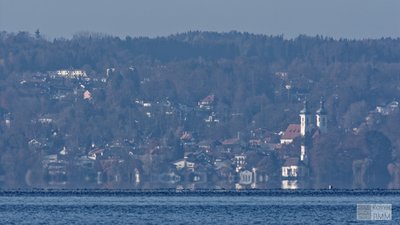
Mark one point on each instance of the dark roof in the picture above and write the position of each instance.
(292, 131)
(292, 162)
(317, 133)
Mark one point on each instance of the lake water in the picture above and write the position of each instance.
(202, 208)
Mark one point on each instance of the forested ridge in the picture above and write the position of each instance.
(143, 93)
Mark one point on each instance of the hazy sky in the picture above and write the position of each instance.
(335, 18)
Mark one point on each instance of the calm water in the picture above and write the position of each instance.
(189, 209)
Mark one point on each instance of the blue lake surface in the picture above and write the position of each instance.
(203, 208)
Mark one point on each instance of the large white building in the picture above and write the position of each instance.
(308, 126)
(294, 168)
(71, 73)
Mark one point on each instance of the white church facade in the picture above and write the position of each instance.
(297, 168)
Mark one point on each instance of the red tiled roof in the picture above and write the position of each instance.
(231, 141)
(292, 131)
(186, 136)
(208, 100)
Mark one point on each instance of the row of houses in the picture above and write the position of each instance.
(230, 163)
(257, 161)
(61, 85)
(206, 164)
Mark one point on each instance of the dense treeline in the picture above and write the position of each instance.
(258, 81)
(23, 52)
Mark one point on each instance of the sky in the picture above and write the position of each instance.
(357, 19)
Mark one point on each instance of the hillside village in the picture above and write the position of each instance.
(233, 163)
(253, 159)
(198, 110)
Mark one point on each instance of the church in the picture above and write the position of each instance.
(295, 170)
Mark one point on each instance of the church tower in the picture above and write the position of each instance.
(303, 153)
(305, 120)
(322, 118)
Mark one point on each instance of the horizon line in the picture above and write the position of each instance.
(88, 34)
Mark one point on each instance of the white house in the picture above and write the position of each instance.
(71, 73)
(240, 161)
(246, 177)
(207, 102)
(96, 153)
(290, 184)
(293, 168)
(184, 163)
(253, 178)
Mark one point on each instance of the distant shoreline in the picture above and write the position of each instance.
(203, 192)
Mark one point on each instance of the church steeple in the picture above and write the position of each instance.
(305, 120)
(321, 110)
(322, 118)
(305, 108)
